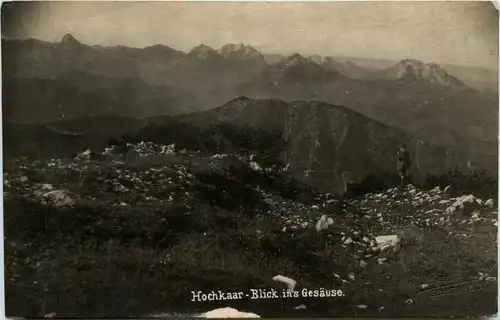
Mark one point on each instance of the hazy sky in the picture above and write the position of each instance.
(463, 33)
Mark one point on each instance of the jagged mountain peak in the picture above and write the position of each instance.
(296, 56)
(297, 59)
(203, 52)
(239, 51)
(419, 66)
(69, 39)
(316, 58)
(416, 70)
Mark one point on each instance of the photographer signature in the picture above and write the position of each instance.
(436, 281)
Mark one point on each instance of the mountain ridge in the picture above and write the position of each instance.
(317, 136)
(69, 39)
(321, 136)
(448, 115)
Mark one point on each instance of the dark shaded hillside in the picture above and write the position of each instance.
(449, 117)
(328, 146)
(64, 138)
(334, 143)
(80, 94)
(208, 136)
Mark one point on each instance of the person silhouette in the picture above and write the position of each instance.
(403, 164)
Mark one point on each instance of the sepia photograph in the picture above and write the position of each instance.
(250, 159)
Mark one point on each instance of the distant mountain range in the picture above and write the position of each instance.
(48, 81)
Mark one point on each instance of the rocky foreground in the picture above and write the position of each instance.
(133, 233)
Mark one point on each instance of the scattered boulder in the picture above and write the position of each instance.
(324, 223)
(59, 198)
(386, 242)
(436, 190)
(85, 155)
(288, 281)
(170, 149)
(464, 206)
(228, 313)
(490, 203)
(255, 166)
(219, 156)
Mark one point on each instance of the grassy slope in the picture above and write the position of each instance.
(145, 232)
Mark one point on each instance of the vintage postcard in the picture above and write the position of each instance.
(250, 159)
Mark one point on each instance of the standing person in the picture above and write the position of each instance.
(404, 163)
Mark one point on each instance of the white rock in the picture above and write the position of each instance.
(436, 190)
(490, 203)
(301, 307)
(362, 306)
(170, 149)
(85, 155)
(219, 156)
(228, 313)
(464, 205)
(324, 223)
(288, 281)
(47, 186)
(385, 242)
(351, 276)
(348, 241)
(255, 166)
(60, 198)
